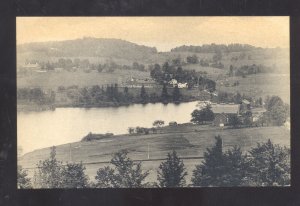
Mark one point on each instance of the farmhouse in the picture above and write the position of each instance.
(182, 85)
(222, 113)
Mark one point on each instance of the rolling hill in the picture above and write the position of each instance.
(85, 47)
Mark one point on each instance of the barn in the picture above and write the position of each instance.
(222, 113)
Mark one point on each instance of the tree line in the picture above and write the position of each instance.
(113, 95)
(69, 64)
(245, 70)
(267, 164)
(36, 95)
(214, 48)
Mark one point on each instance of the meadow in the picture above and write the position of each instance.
(190, 141)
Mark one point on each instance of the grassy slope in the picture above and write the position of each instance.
(188, 141)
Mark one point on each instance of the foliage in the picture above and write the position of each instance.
(249, 70)
(210, 172)
(53, 174)
(234, 121)
(203, 115)
(164, 94)
(221, 168)
(23, 181)
(36, 95)
(126, 173)
(167, 72)
(73, 176)
(144, 95)
(265, 165)
(158, 123)
(212, 48)
(176, 94)
(172, 172)
(270, 165)
(277, 112)
(192, 59)
(49, 174)
(130, 130)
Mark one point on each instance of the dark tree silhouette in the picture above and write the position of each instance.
(164, 94)
(172, 172)
(203, 115)
(73, 176)
(144, 95)
(176, 94)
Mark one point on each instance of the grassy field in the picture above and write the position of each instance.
(259, 85)
(190, 141)
(52, 80)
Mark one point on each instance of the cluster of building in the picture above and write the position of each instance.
(175, 83)
(222, 112)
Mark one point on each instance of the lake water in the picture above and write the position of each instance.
(44, 129)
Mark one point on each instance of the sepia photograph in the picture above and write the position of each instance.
(153, 102)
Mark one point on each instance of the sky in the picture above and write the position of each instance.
(163, 33)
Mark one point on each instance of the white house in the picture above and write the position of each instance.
(182, 85)
(173, 82)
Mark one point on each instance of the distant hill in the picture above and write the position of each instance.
(86, 47)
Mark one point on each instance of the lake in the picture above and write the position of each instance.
(64, 125)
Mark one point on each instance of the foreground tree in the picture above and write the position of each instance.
(23, 181)
(221, 169)
(203, 115)
(172, 172)
(52, 173)
(210, 172)
(73, 176)
(49, 174)
(270, 165)
(125, 174)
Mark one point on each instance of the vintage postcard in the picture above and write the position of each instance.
(152, 102)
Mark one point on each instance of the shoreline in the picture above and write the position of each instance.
(41, 108)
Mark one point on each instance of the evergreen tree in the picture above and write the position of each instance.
(164, 94)
(73, 176)
(172, 172)
(210, 172)
(125, 173)
(176, 94)
(144, 95)
(236, 170)
(270, 165)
